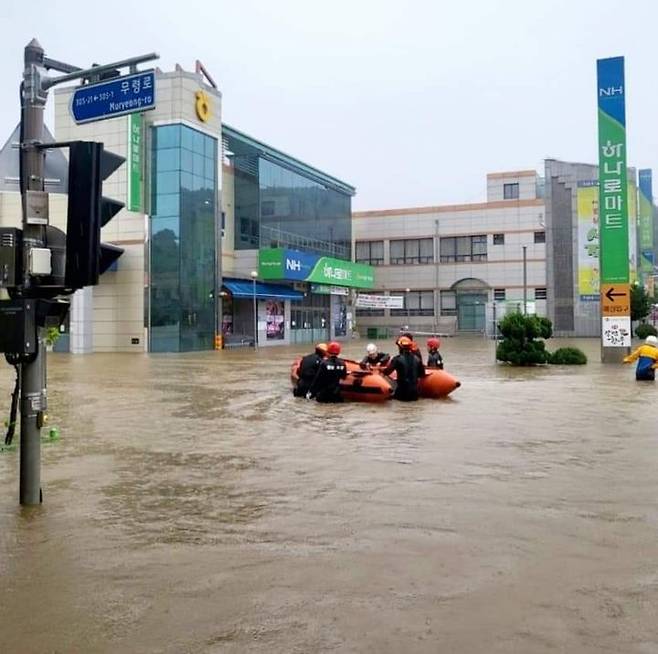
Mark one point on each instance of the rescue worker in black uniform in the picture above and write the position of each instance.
(434, 358)
(326, 385)
(308, 368)
(373, 357)
(408, 369)
(415, 350)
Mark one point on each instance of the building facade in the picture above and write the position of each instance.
(572, 215)
(451, 264)
(283, 219)
(204, 204)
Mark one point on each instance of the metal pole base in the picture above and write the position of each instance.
(33, 406)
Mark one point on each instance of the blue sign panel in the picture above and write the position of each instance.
(115, 97)
(298, 265)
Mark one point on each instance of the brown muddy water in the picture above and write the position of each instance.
(193, 505)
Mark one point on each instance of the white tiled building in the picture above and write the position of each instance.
(457, 259)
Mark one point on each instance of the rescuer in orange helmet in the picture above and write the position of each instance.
(408, 369)
(434, 358)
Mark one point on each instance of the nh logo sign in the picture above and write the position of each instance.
(293, 264)
(611, 90)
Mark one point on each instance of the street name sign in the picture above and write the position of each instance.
(114, 97)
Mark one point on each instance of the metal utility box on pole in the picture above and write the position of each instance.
(613, 211)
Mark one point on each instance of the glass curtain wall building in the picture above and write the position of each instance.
(182, 239)
(280, 203)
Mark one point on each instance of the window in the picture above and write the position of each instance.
(370, 252)
(285, 205)
(511, 191)
(448, 303)
(412, 250)
(499, 239)
(499, 294)
(540, 237)
(182, 229)
(540, 294)
(463, 248)
(416, 303)
(360, 312)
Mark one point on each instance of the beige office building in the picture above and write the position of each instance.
(452, 263)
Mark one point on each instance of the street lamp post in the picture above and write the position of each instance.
(437, 293)
(406, 301)
(525, 280)
(254, 275)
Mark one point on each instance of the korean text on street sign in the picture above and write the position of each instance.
(616, 332)
(613, 186)
(115, 97)
(615, 300)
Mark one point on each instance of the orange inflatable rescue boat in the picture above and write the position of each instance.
(359, 385)
(372, 386)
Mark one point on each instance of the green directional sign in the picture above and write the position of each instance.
(613, 187)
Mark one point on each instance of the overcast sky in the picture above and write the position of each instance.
(413, 103)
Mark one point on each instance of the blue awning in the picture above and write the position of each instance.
(244, 288)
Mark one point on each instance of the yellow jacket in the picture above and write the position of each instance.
(647, 351)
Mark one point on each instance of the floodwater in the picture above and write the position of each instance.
(192, 505)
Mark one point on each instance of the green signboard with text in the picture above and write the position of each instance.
(281, 263)
(135, 193)
(613, 186)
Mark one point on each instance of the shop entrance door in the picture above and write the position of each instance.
(471, 309)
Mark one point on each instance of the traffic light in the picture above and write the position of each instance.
(88, 211)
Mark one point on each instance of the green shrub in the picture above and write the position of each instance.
(519, 346)
(568, 356)
(645, 329)
(545, 327)
(52, 334)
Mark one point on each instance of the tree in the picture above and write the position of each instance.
(640, 302)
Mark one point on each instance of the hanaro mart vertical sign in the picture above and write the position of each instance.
(613, 204)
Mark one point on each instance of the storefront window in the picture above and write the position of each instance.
(275, 320)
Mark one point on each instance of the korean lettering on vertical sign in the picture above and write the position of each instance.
(135, 194)
(613, 187)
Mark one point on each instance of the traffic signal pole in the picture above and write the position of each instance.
(32, 292)
(33, 387)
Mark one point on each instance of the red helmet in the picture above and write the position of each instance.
(433, 343)
(405, 343)
(333, 348)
